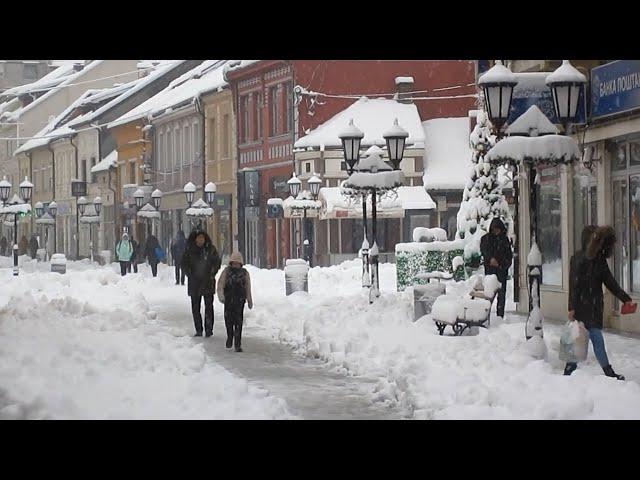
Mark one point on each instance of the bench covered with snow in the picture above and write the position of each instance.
(466, 304)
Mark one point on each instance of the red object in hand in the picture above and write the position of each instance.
(628, 308)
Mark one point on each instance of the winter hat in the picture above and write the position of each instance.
(236, 257)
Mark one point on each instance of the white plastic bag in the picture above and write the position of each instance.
(574, 342)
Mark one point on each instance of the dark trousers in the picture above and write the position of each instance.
(502, 293)
(179, 275)
(208, 312)
(133, 264)
(233, 318)
(123, 268)
(154, 269)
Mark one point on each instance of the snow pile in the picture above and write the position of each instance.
(67, 352)
(417, 247)
(491, 285)
(531, 123)
(548, 148)
(490, 375)
(421, 234)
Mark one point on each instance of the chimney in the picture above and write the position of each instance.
(404, 85)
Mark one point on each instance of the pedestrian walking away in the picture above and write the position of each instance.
(33, 246)
(23, 246)
(177, 251)
(3, 246)
(152, 249)
(124, 250)
(134, 256)
(497, 255)
(234, 289)
(588, 271)
(201, 263)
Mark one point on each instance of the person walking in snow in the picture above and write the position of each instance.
(177, 251)
(23, 246)
(234, 289)
(124, 250)
(151, 253)
(201, 263)
(134, 256)
(589, 270)
(33, 246)
(497, 255)
(3, 246)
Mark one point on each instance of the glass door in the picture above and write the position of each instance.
(620, 216)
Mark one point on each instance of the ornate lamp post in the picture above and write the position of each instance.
(301, 201)
(18, 206)
(78, 189)
(566, 84)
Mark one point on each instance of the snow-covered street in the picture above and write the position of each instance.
(92, 344)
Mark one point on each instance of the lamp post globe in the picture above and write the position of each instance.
(156, 198)
(294, 185)
(39, 208)
(97, 205)
(5, 190)
(210, 193)
(82, 203)
(566, 84)
(189, 191)
(53, 208)
(396, 138)
(351, 138)
(26, 188)
(314, 186)
(497, 84)
(138, 196)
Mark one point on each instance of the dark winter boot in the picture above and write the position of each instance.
(608, 371)
(208, 334)
(237, 337)
(198, 334)
(570, 368)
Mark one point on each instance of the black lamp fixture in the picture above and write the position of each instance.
(97, 205)
(156, 198)
(396, 138)
(82, 204)
(5, 190)
(566, 84)
(314, 185)
(138, 196)
(53, 209)
(210, 193)
(39, 208)
(351, 138)
(189, 191)
(498, 84)
(26, 188)
(294, 185)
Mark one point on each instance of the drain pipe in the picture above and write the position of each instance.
(200, 110)
(77, 211)
(53, 195)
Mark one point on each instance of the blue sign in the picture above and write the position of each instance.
(615, 88)
(532, 90)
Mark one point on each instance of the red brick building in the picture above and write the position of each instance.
(268, 123)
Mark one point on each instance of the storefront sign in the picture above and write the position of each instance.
(249, 188)
(532, 90)
(279, 186)
(222, 202)
(615, 88)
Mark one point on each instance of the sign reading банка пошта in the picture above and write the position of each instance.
(615, 88)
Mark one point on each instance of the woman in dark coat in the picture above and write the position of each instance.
(201, 263)
(150, 253)
(589, 270)
(33, 246)
(497, 255)
(177, 250)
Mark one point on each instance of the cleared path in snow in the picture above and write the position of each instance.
(311, 390)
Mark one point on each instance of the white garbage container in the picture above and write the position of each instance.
(41, 254)
(296, 276)
(105, 257)
(58, 263)
(424, 296)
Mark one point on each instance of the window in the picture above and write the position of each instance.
(288, 113)
(257, 117)
(244, 115)
(187, 144)
(169, 152)
(274, 111)
(307, 167)
(550, 225)
(634, 231)
(226, 134)
(132, 172)
(212, 139)
(83, 164)
(178, 151)
(197, 145)
(160, 149)
(30, 72)
(584, 203)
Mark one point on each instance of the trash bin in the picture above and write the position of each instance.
(296, 276)
(424, 296)
(58, 263)
(105, 257)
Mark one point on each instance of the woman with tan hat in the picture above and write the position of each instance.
(234, 288)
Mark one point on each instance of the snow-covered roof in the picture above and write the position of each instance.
(234, 65)
(51, 79)
(447, 153)
(106, 163)
(373, 116)
(551, 148)
(530, 122)
(204, 78)
(15, 114)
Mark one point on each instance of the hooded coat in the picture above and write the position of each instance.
(150, 249)
(235, 257)
(124, 249)
(177, 247)
(201, 265)
(496, 246)
(588, 273)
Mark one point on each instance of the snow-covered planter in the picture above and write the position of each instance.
(58, 263)
(296, 276)
(415, 258)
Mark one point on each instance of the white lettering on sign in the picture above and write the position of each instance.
(620, 84)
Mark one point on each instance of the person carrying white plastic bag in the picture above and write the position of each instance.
(574, 342)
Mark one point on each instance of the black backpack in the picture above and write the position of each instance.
(235, 289)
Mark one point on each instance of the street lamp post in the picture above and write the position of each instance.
(78, 189)
(18, 206)
(295, 185)
(189, 191)
(46, 216)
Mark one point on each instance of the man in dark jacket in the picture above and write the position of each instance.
(177, 251)
(150, 253)
(201, 263)
(134, 256)
(497, 255)
(33, 246)
(3, 246)
(589, 270)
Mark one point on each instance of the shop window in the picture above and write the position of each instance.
(634, 231)
(550, 225)
(619, 160)
(634, 153)
(274, 111)
(585, 203)
(244, 115)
